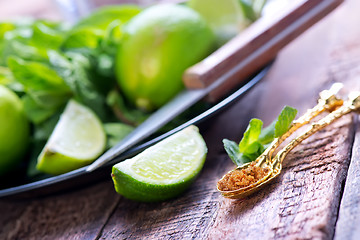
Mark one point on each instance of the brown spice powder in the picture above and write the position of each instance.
(242, 178)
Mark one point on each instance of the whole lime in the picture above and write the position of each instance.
(158, 45)
(14, 130)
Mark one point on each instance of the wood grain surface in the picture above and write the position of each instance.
(315, 197)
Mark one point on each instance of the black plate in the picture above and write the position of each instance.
(80, 177)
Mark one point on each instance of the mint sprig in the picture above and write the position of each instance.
(256, 139)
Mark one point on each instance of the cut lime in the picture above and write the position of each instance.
(164, 170)
(77, 140)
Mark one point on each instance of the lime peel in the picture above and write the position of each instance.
(14, 130)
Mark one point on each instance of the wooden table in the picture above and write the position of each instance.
(316, 196)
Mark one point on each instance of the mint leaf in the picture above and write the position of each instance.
(34, 112)
(36, 76)
(116, 132)
(232, 149)
(278, 127)
(102, 17)
(284, 121)
(256, 139)
(40, 82)
(254, 148)
(74, 68)
(251, 134)
(86, 37)
(123, 112)
(267, 134)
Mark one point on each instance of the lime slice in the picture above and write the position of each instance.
(77, 140)
(164, 170)
(226, 17)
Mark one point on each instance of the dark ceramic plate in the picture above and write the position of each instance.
(79, 177)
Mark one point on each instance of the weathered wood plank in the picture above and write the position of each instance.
(79, 214)
(347, 226)
(347, 65)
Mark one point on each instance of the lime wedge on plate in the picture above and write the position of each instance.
(77, 140)
(164, 170)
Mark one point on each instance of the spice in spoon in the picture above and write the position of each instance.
(240, 178)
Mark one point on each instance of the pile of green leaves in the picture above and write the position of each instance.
(256, 138)
(47, 63)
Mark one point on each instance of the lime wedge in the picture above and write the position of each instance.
(226, 17)
(164, 170)
(77, 140)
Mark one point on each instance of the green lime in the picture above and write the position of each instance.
(77, 140)
(164, 170)
(14, 130)
(226, 17)
(158, 45)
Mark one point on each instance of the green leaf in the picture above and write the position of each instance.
(46, 37)
(84, 37)
(102, 24)
(254, 147)
(16, 47)
(246, 7)
(43, 130)
(116, 132)
(232, 149)
(41, 82)
(30, 40)
(36, 76)
(75, 68)
(256, 139)
(279, 126)
(251, 134)
(5, 27)
(267, 134)
(122, 111)
(35, 112)
(102, 17)
(284, 121)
